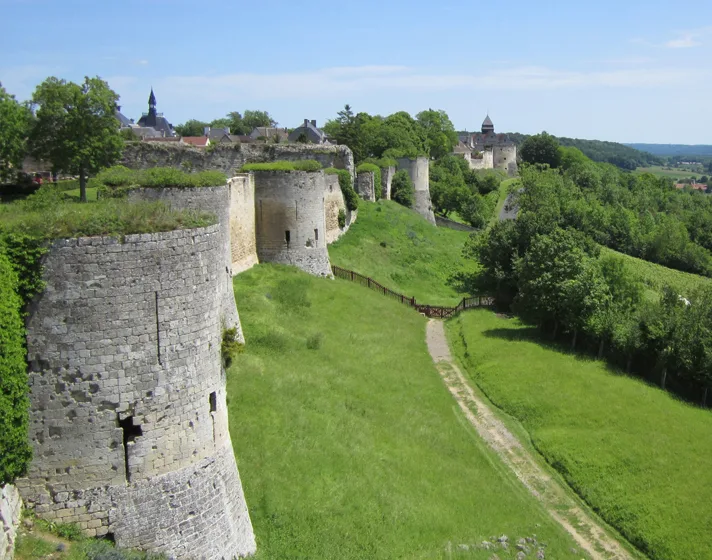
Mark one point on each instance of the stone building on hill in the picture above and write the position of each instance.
(308, 133)
(488, 150)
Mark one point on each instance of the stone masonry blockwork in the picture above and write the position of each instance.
(128, 407)
(10, 513)
(419, 172)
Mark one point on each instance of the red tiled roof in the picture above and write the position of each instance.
(200, 141)
(695, 186)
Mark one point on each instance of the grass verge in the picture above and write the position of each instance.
(634, 453)
(348, 443)
(403, 251)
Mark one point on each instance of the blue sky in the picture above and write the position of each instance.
(629, 70)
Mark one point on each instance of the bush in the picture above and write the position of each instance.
(308, 165)
(347, 187)
(342, 218)
(119, 176)
(372, 168)
(15, 450)
(230, 346)
(402, 190)
(314, 341)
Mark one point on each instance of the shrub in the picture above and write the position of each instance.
(119, 176)
(314, 341)
(342, 218)
(309, 165)
(372, 168)
(15, 450)
(347, 186)
(230, 346)
(402, 190)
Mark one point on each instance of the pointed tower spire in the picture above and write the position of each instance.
(152, 100)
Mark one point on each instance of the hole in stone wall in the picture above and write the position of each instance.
(131, 432)
(316, 235)
(109, 537)
(213, 399)
(287, 236)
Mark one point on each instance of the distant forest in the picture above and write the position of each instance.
(619, 155)
(666, 150)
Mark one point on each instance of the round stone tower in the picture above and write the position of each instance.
(419, 172)
(128, 411)
(290, 224)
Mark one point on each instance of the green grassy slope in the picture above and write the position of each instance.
(417, 260)
(655, 276)
(660, 171)
(355, 449)
(637, 455)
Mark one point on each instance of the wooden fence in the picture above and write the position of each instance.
(435, 311)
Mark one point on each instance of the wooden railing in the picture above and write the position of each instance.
(436, 311)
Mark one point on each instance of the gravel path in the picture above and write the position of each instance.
(585, 530)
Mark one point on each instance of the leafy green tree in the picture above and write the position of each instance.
(542, 149)
(191, 127)
(402, 190)
(400, 135)
(253, 119)
(496, 251)
(75, 127)
(440, 133)
(15, 119)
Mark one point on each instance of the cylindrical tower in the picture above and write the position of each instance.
(128, 411)
(419, 172)
(290, 221)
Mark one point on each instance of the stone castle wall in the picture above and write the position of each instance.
(290, 219)
(128, 408)
(386, 181)
(229, 158)
(419, 172)
(215, 200)
(505, 159)
(365, 185)
(242, 222)
(485, 162)
(10, 513)
(333, 203)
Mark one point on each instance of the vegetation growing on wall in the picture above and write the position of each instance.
(301, 165)
(15, 450)
(120, 176)
(402, 190)
(347, 188)
(372, 168)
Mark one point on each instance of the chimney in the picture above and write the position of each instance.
(306, 123)
(314, 124)
(206, 131)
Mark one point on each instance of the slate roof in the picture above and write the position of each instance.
(487, 122)
(269, 133)
(123, 120)
(158, 122)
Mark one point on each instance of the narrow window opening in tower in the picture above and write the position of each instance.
(316, 235)
(213, 399)
(131, 432)
(287, 236)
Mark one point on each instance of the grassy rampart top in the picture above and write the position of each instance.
(48, 214)
(157, 177)
(309, 165)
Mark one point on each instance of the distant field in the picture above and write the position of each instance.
(671, 173)
(404, 252)
(656, 277)
(637, 455)
(348, 443)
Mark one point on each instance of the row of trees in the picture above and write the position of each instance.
(430, 133)
(640, 215)
(238, 123)
(554, 278)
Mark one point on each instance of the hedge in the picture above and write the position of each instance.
(301, 165)
(372, 168)
(120, 176)
(347, 186)
(15, 450)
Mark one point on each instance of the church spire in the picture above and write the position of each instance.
(152, 100)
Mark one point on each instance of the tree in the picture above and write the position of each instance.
(15, 119)
(191, 127)
(542, 148)
(402, 188)
(252, 119)
(76, 128)
(440, 133)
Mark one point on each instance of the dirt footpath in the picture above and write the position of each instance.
(587, 532)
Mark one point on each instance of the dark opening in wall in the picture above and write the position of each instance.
(109, 537)
(213, 401)
(131, 432)
(287, 236)
(316, 235)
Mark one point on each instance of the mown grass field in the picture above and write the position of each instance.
(671, 173)
(655, 276)
(347, 441)
(404, 252)
(637, 455)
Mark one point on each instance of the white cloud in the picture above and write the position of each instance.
(339, 82)
(685, 39)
